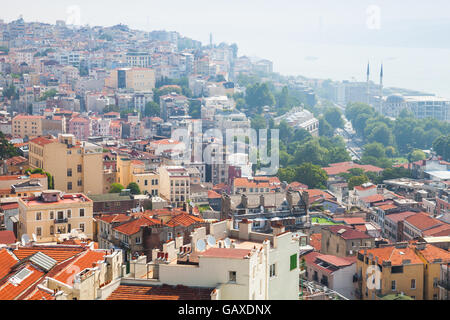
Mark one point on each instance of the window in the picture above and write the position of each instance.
(393, 285)
(79, 182)
(39, 231)
(293, 262)
(79, 168)
(169, 235)
(138, 240)
(69, 185)
(272, 270)
(146, 182)
(69, 172)
(38, 216)
(52, 230)
(52, 215)
(82, 227)
(413, 283)
(232, 276)
(81, 212)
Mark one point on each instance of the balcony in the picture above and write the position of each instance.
(64, 220)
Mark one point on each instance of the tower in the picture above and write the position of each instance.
(381, 89)
(368, 75)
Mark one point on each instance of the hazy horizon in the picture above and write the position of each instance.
(405, 35)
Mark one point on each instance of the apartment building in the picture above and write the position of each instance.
(238, 263)
(54, 212)
(75, 166)
(175, 184)
(412, 269)
(138, 79)
(27, 125)
(344, 241)
(134, 171)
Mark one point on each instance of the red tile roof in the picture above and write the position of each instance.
(213, 195)
(349, 233)
(118, 217)
(7, 261)
(431, 253)
(134, 226)
(7, 237)
(184, 219)
(315, 241)
(341, 167)
(42, 141)
(86, 260)
(59, 253)
(41, 294)
(396, 217)
(164, 292)
(374, 198)
(394, 255)
(8, 291)
(423, 221)
(440, 231)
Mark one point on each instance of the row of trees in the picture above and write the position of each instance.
(404, 135)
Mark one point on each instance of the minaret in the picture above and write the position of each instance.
(381, 89)
(368, 74)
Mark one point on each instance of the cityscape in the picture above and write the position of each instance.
(149, 165)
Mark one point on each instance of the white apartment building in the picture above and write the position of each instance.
(239, 263)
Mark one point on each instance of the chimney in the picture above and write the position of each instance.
(244, 200)
(245, 227)
(278, 228)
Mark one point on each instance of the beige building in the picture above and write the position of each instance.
(75, 166)
(139, 79)
(27, 125)
(53, 213)
(175, 184)
(239, 263)
(134, 171)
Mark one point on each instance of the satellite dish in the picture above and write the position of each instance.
(25, 239)
(227, 242)
(201, 245)
(34, 237)
(211, 240)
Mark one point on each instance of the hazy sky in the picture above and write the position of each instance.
(286, 31)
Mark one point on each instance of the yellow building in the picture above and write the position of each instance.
(411, 269)
(139, 79)
(175, 184)
(53, 213)
(134, 171)
(27, 125)
(75, 166)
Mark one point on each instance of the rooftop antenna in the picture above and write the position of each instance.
(211, 240)
(201, 245)
(25, 239)
(227, 242)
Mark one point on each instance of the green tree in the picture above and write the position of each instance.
(195, 109)
(258, 122)
(116, 188)
(134, 188)
(312, 152)
(382, 134)
(357, 181)
(7, 150)
(442, 147)
(311, 175)
(151, 109)
(259, 95)
(111, 108)
(334, 117)
(416, 155)
(374, 149)
(325, 129)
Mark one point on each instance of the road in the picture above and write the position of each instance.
(353, 143)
